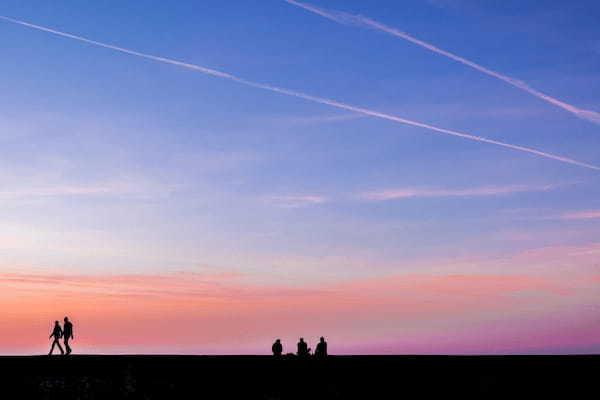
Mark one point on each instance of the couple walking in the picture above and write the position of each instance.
(66, 333)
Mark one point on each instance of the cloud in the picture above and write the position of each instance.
(175, 284)
(595, 214)
(108, 189)
(298, 201)
(404, 193)
(61, 190)
(322, 119)
(349, 19)
(308, 97)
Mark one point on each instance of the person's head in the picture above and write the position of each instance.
(322, 339)
(66, 319)
(55, 322)
(278, 340)
(302, 339)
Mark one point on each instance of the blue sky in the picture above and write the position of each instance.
(198, 158)
(114, 163)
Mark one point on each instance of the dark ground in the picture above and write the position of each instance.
(262, 377)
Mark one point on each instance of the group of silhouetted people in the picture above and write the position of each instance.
(303, 349)
(66, 333)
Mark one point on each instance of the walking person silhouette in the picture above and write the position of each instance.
(57, 333)
(68, 334)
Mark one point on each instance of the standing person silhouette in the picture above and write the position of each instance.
(321, 349)
(57, 333)
(277, 348)
(303, 350)
(68, 334)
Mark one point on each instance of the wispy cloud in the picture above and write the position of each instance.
(174, 284)
(298, 201)
(349, 19)
(594, 214)
(405, 193)
(110, 189)
(324, 119)
(308, 97)
(59, 191)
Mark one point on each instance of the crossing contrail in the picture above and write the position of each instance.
(349, 19)
(304, 96)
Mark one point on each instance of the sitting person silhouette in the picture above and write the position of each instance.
(321, 349)
(277, 348)
(67, 334)
(57, 333)
(303, 349)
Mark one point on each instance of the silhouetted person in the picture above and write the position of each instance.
(277, 348)
(68, 334)
(57, 333)
(303, 349)
(321, 349)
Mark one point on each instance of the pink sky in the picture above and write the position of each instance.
(539, 300)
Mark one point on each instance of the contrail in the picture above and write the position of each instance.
(308, 97)
(349, 19)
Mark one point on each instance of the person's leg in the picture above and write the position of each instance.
(56, 343)
(67, 347)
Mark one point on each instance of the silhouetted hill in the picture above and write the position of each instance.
(262, 377)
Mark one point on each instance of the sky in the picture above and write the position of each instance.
(309, 171)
